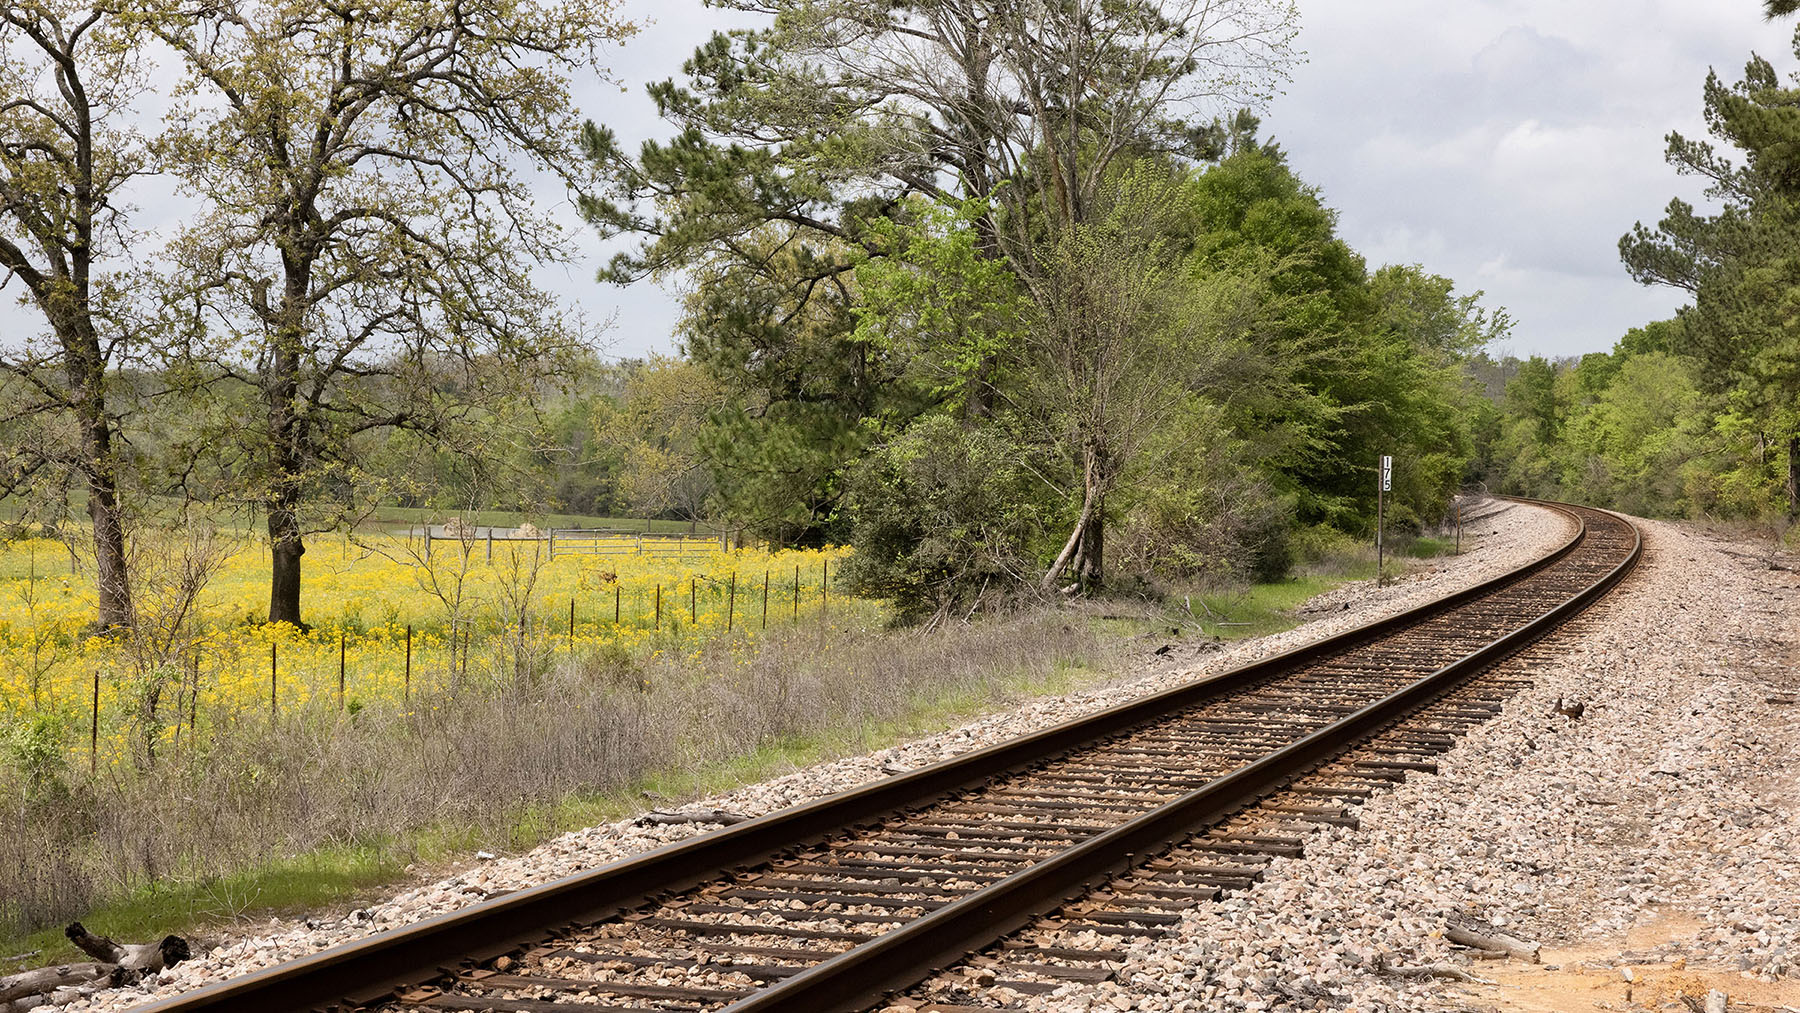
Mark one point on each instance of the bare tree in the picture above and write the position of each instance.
(68, 77)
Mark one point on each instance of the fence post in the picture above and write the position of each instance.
(765, 619)
(616, 596)
(693, 600)
(428, 542)
(272, 647)
(824, 586)
(571, 624)
(341, 642)
(550, 539)
(658, 625)
(194, 710)
(796, 592)
(490, 541)
(731, 603)
(406, 691)
(94, 728)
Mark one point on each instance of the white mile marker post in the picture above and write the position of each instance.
(1382, 487)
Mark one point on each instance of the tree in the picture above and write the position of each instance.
(364, 261)
(942, 514)
(1104, 367)
(652, 432)
(68, 76)
(1339, 367)
(801, 393)
(828, 121)
(1741, 265)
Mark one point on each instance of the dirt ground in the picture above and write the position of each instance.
(1595, 977)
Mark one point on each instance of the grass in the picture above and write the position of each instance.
(1428, 547)
(353, 800)
(729, 716)
(285, 886)
(337, 875)
(1259, 610)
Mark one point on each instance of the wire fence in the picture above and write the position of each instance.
(277, 672)
(577, 541)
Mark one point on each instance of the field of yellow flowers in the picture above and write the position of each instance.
(389, 622)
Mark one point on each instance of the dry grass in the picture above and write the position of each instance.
(320, 778)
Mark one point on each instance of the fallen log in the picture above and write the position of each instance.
(145, 957)
(115, 964)
(1465, 935)
(44, 980)
(665, 818)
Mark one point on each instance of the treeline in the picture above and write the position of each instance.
(1698, 415)
(986, 291)
(1637, 429)
(938, 421)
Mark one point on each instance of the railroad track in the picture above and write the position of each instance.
(1042, 856)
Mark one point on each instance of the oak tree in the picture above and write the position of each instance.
(370, 172)
(69, 74)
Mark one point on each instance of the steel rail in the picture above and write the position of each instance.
(861, 977)
(362, 971)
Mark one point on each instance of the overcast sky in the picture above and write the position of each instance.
(1506, 144)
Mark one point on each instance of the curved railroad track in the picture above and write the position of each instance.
(1041, 856)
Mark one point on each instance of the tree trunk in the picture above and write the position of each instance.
(1084, 551)
(1090, 557)
(285, 549)
(1793, 478)
(114, 579)
(1052, 575)
(288, 437)
(85, 368)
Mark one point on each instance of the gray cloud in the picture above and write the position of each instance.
(1504, 143)
(1508, 145)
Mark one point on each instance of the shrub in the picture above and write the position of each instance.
(1202, 511)
(940, 516)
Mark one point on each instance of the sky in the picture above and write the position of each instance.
(1505, 144)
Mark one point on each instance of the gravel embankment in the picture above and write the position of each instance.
(1504, 537)
(1653, 845)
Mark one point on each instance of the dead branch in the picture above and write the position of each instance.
(1487, 939)
(116, 964)
(146, 957)
(662, 817)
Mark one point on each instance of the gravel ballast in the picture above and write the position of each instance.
(1515, 833)
(1653, 844)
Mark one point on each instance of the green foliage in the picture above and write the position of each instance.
(800, 393)
(1199, 509)
(1634, 429)
(1347, 367)
(34, 747)
(936, 299)
(940, 515)
(1741, 264)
